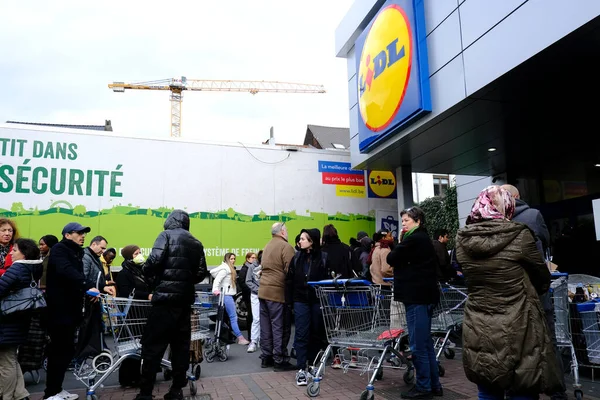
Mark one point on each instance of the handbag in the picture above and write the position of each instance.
(28, 298)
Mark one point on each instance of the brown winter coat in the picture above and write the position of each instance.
(379, 267)
(506, 341)
(276, 258)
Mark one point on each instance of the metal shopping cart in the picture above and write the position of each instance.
(128, 319)
(562, 327)
(447, 320)
(359, 315)
(216, 347)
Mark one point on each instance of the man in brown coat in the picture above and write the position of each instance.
(276, 258)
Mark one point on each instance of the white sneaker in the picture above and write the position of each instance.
(67, 396)
(251, 347)
(55, 397)
(301, 378)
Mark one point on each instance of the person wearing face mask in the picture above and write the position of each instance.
(131, 280)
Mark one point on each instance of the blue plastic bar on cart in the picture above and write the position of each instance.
(587, 306)
(559, 274)
(388, 279)
(331, 282)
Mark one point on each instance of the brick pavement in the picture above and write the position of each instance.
(281, 385)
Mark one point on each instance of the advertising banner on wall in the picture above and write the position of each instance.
(124, 188)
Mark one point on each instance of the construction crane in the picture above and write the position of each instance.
(178, 85)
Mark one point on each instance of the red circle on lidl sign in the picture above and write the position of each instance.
(384, 70)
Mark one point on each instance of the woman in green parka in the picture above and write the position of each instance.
(507, 348)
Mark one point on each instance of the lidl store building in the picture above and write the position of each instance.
(493, 91)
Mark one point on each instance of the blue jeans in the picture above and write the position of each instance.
(418, 319)
(230, 308)
(310, 334)
(485, 394)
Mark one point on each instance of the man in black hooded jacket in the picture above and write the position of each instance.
(176, 263)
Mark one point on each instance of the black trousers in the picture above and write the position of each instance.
(60, 353)
(249, 316)
(166, 326)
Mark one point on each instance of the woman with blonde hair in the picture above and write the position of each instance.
(507, 347)
(224, 281)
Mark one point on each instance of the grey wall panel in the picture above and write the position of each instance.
(353, 91)
(448, 86)
(436, 11)
(351, 63)
(533, 27)
(443, 44)
(479, 16)
(355, 156)
(354, 121)
(467, 190)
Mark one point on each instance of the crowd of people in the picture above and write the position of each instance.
(509, 347)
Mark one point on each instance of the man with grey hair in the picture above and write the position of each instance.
(535, 221)
(276, 258)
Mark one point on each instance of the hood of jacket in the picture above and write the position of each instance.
(216, 270)
(315, 236)
(520, 207)
(487, 238)
(177, 219)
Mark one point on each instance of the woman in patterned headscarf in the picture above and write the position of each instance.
(507, 348)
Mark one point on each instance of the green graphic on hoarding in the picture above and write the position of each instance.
(220, 232)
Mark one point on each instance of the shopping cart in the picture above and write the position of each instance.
(359, 315)
(562, 327)
(216, 348)
(128, 319)
(447, 320)
(205, 306)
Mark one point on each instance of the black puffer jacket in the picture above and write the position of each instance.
(176, 263)
(131, 280)
(415, 269)
(339, 256)
(13, 328)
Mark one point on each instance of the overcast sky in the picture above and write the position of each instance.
(57, 58)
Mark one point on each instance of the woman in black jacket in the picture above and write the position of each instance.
(26, 267)
(415, 284)
(130, 280)
(309, 264)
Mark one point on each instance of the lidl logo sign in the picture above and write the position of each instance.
(384, 68)
(382, 184)
(393, 73)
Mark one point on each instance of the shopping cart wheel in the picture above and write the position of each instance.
(45, 364)
(442, 370)
(193, 388)
(167, 374)
(449, 353)
(367, 395)
(223, 357)
(578, 394)
(313, 389)
(209, 356)
(102, 362)
(197, 371)
(409, 376)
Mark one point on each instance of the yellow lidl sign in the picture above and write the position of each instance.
(393, 73)
(382, 184)
(350, 191)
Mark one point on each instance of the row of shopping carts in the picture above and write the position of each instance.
(366, 329)
(127, 320)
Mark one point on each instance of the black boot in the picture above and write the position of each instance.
(174, 394)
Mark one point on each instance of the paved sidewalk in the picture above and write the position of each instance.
(335, 385)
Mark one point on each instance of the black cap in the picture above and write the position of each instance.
(361, 234)
(75, 227)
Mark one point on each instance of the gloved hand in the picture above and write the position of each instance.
(216, 292)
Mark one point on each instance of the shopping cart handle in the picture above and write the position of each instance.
(332, 282)
(388, 279)
(93, 294)
(558, 274)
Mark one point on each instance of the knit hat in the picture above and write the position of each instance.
(361, 235)
(127, 251)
